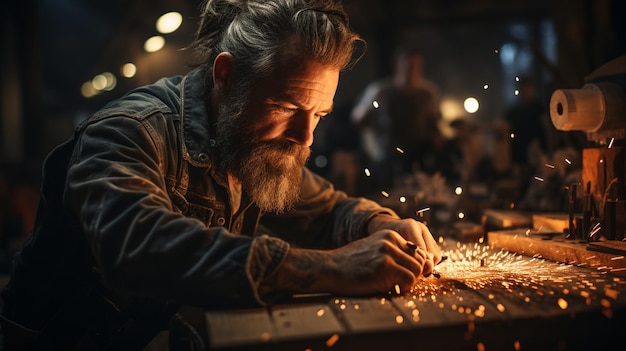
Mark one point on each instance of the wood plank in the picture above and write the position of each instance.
(363, 315)
(239, 327)
(305, 321)
(556, 249)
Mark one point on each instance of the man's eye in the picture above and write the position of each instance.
(286, 110)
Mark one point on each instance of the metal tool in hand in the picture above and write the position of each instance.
(410, 249)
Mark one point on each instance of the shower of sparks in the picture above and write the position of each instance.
(611, 143)
(511, 280)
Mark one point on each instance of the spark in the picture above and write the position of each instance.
(568, 161)
(367, 172)
(516, 92)
(320, 312)
(617, 258)
(422, 210)
(375, 104)
(549, 165)
(486, 86)
(332, 340)
(384, 193)
(402, 199)
(611, 143)
(517, 78)
(509, 278)
(399, 150)
(539, 179)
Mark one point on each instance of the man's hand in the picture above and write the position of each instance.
(371, 265)
(410, 230)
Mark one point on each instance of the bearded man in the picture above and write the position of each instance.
(193, 191)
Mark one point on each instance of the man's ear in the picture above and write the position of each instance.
(223, 72)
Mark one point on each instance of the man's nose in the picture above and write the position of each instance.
(301, 127)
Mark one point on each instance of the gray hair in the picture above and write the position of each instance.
(255, 31)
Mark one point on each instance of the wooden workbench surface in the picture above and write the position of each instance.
(486, 299)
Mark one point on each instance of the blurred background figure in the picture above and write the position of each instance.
(528, 122)
(397, 118)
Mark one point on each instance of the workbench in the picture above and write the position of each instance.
(485, 299)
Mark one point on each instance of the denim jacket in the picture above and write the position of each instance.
(134, 201)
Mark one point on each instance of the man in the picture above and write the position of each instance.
(193, 192)
(401, 111)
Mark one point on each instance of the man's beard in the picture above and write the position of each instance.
(270, 172)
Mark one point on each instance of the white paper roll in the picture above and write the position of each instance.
(578, 109)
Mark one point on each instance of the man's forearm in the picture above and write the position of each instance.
(302, 271)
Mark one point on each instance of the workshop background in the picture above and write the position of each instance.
(55, 51)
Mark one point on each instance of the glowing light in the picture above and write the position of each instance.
(486, 86)
(320, 312)
(332, 340)
(562, 303)
(402, 199)
(471, 105)
(375, 104)
(87, 90)
(399, 319)
(154, 44)
(169, 22)
(516, 92)
(99, 82)
(321, 161)
(458, 190)
(128, 70)
(461, 215)
(110, 81)
(512, 135)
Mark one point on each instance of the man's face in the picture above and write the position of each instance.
(265, 140)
